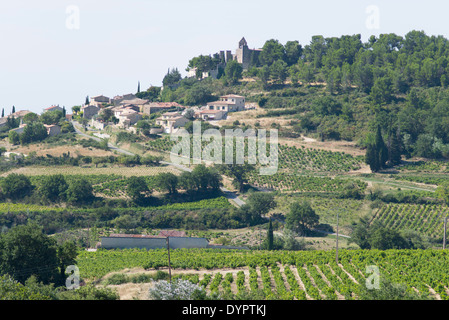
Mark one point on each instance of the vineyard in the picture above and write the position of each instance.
(300, 183)
(287, 275)
(291, 158)
(426, 219)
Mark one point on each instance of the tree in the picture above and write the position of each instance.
(233, 72)
(301, 218)
(26, 251)
(238, 172)
(376, 152)
(79, 191)
(33, 132)
(293, 51)
(376, 236)
(270, 238)
(53, 187)
(137, 188)
(30, 118)
(16, 186)
(382, 238)
(168, 181)
(76, 109)
(3, 112)
(66, 253)
(264, 75)
(278, 71)
(11, 289)
(172, 77)
(257, 205)
(395, 148)
(13, 137)
(360, 234)
(202, 178)
(272, 51)
(52, 117)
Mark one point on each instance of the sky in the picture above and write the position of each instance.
(57, 52)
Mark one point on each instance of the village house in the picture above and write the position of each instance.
(53, 108)
(154, 107)
(139, 103)
(171, 121)
(90, 110)
(118, 99)
(19, 114)
(127, 117)
(99, 101)
(20, 128)
(212, 114)
(228, 103)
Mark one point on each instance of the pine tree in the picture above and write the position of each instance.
(138, 87)
(13, 109)
(3, 112)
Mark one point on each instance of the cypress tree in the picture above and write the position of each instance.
(376, 152)
(381, 148)
(270, 236)
(395, 148)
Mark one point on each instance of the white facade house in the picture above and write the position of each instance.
(228, 103)
(212, 114)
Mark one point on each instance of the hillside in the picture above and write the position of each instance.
(363, 149)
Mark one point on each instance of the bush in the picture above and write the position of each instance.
(177, 290)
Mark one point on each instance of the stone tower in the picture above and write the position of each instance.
(243, 53)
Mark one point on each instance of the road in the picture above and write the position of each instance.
(111, 146)
(228, 194)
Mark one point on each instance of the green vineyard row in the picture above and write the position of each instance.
(285, 274)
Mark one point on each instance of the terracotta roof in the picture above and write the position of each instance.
(52, 107)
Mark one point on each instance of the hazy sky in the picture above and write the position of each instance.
(59, 51)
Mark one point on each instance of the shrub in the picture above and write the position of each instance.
(177, 290)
